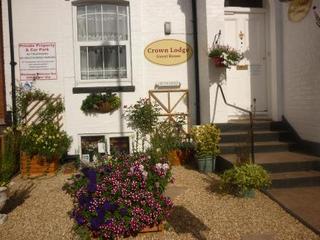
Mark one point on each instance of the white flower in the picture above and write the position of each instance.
(158, 166)
(165, 166)
(145, 175)
(141, 167)
(132, 169)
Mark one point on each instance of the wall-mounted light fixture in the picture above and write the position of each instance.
(167, 28)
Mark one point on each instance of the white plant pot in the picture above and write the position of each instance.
(3, 196)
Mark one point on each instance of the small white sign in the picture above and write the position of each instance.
(85, 158)
(101, 147)
(37, 61)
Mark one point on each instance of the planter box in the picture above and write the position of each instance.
(158, 228)
(207, 164)
(37, 166)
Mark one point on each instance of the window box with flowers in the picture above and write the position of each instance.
(225, 56)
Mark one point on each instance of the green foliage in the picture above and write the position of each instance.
(242, 178)
(9, 161)
(166, 137)
(92, 103)
(47, 140)
(229, 55)
(142, 116)
(206, 138)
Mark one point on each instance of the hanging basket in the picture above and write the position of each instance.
(104, 107)
(218, 61)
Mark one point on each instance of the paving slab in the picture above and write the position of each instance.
(302, 202)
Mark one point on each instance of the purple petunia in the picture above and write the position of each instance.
(92, 187)
(90, 174)
(80, 220)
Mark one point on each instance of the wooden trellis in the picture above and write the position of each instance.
(33, 110)
(169, 109)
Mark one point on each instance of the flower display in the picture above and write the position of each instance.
(225, 56)
(122, 197)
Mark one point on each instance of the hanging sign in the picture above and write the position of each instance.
(37, 61)
(168, 52)
(298, 9)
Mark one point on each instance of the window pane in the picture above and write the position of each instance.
(119, 145)
(82, 25)
(109, 22)
(89, 147)
(94, 22)
(123, 23)
(95, 62)
(123, 62)
(84, 63)
(244, 3)
(111, 61)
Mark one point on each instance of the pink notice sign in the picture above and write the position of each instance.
(38, 61)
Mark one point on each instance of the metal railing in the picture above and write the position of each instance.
(251, 121)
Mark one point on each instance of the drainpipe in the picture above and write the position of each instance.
(196, 60)
(13, 65)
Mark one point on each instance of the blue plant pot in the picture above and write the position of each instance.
(248, 194)
(207, 164)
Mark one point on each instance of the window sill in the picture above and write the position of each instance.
(79, 90)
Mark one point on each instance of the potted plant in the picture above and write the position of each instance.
(4, 195)
(206, 138)
(49, 143)
(142, 117)
(38, 135)
(120, 198)
(243, 180)
(100, 103)
(224, 56)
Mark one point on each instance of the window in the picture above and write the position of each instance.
(119, 145)
(94, 146)
(244, 3)
(103, 42)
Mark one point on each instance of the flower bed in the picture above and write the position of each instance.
(121, 197)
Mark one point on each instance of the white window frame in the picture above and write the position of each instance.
(77, 44)
(107, 137)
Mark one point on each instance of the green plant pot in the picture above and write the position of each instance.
(248, 193)
(207, 164)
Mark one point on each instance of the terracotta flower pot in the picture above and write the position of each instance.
(174, 157)
(218, 61)
(37, 166)
(157, 228)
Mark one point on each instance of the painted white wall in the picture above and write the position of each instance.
(301, 74)
(51, 21)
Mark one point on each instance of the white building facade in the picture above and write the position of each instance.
(100, 46)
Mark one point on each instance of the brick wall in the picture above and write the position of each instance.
(301, 75)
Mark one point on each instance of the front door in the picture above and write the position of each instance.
(247, 82)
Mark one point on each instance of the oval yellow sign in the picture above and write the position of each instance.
(168, 52)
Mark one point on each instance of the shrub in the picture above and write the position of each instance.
(241, 179)
(206, 138)
(120, 198)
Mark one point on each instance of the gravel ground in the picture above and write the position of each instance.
(38, 210)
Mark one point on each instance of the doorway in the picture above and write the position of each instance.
(245, 30)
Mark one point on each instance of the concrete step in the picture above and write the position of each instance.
(276, 162)
(295, 179)
(245, 126)
(270, 146)
(259, 136)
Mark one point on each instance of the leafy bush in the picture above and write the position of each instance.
(93, 102)
(241, 179)
(47, 140)
(120, 198)
(206, 138)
